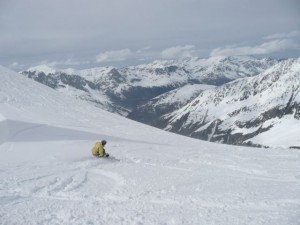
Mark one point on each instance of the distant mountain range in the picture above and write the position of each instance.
(233, 100)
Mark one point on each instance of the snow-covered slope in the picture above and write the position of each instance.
(258, 109)
(48, 176)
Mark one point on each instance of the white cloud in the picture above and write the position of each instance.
(67, 62)
(178, 52)
(139, 51)
(114, 56)
(14, 65)
(292, 34)
(265, 48)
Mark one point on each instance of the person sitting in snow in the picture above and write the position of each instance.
(98, 149)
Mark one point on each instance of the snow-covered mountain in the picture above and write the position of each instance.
(182, 96)
(261, 110)
(48, 175)
(97, 85)
(153, 111)
(121, 90)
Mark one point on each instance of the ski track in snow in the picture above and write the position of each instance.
(184, 191)
(146, 186)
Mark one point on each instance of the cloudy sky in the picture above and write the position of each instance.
(88, 33)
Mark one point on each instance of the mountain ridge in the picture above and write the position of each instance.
(159, 92)
(137, 84)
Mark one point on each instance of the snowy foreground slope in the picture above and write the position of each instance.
(48, 176)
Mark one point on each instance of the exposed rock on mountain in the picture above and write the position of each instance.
(245, 111)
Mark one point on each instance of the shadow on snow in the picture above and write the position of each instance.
(20, 131)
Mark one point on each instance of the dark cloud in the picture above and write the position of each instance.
(53, 30)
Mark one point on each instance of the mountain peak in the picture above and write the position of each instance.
(42, 69)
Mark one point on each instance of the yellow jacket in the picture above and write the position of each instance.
(98, 150)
